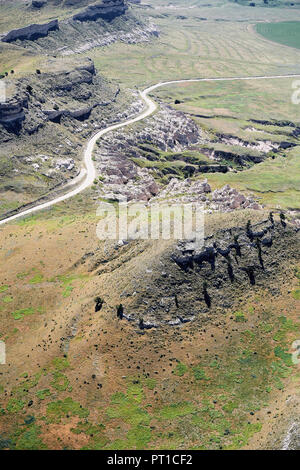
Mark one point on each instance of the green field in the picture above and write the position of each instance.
(286, 32)
(244, 99)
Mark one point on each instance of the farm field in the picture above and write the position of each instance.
(195, 49)
(287, 33)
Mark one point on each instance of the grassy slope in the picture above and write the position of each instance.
(17, 14)
(187, 388)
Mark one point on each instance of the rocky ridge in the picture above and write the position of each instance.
(98, 25)
(45, 121)
(107, 9)
(225, 199)
(138, 34)
(39, 98)
(31, 32)
(194, 282)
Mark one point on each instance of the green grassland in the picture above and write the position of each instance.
(275, 182)
(287, 33)
(264, 99)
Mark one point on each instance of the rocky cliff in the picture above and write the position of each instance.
(31, 32)
(193, 283)
(97, 25)
(46, 119)
(12, 112)
(37, 98)
(107, 9)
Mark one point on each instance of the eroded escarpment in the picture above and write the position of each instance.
(97, 25)
(45, 122)
(191, 283)
(31, 32)
(252, 142)
(107, 9)
(75, 37)
(37, 98)
(122, 157)
(160, 157)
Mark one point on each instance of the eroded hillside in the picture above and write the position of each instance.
(44, 124)
(99, 24)
(135, 343)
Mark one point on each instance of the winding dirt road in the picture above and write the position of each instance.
(90, 171)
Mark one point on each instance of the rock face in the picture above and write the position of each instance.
(32, 32)
(44, 97)
(130, 165)
(94, 34)
(191, 282)
(46, 120)
(108, 10)
(228, 198)
(97, 26)
(170, 130)
(122, 177)
(12, 113)
(39, 3)
(225, 199)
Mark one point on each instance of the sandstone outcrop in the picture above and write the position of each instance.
(95, 26)
(12, 112)
(46, 119)
(191, 282)
(38, 95)
(121, 176)
(223, 200)
(31, 32)
(98, 26)
(107, 9)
